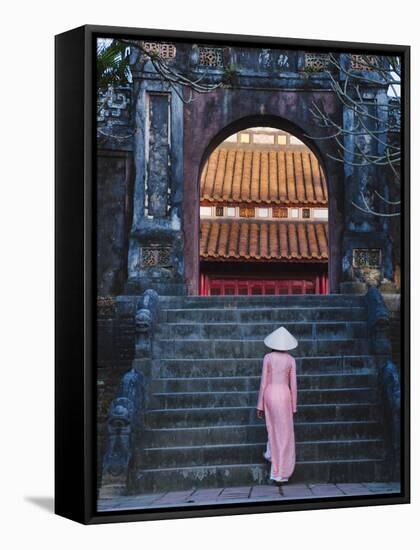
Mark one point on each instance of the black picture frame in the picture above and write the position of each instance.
(75, 305)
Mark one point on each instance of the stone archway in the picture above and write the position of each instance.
(197, 150)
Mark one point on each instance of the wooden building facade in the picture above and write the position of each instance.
(263, 217)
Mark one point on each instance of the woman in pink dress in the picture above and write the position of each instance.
(277, 402)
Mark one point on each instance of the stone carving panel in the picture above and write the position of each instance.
(157, 146)
(156, 256)
(367, 265)
(366, 257)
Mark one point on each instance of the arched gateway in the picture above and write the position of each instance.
(301, 128)
(263, 217)
(201, 357)
(153, 146)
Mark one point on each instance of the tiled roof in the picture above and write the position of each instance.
(235, 175)
(240, 239)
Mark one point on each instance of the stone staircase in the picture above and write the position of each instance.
(201, 428)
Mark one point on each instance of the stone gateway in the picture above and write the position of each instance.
(222, 213)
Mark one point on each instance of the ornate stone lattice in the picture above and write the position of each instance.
(165, 50)
(366, 257)
(316, 62)
(156, 257)
(363, 62)
(211, 57)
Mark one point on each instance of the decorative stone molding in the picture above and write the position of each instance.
(113, 104)
(113, 114)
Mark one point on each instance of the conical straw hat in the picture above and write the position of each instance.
(281, 340)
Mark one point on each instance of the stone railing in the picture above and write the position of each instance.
(126, 413)
(146, 318)
(389, 382)
(388, 376)
(378, 322)
(124, 426)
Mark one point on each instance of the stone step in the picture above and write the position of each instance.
(257, 433)
(245, 453)
(180, 400)
(244, 366)
(322, 471)
(314, 300)
(179, 348)
(135, 287)
(316, 330)
(251, 383)
(262, 314)
(200, 426)
(190, 417)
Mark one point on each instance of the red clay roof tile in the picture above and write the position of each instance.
(281, 177)
(243, 239)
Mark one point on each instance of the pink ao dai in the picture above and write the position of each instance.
(278, 399)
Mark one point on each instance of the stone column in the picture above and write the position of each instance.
(367, 249)
(155, 258)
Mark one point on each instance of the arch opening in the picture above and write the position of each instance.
(263, 214)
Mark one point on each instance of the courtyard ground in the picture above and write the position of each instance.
(257, 493)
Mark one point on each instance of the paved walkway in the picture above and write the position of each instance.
(255, 493)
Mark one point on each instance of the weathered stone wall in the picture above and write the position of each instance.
(116, 332)
(393, 303)
(114, 190)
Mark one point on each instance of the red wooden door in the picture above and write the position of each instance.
(215, 286)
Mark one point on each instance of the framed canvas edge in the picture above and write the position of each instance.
(89, 514)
